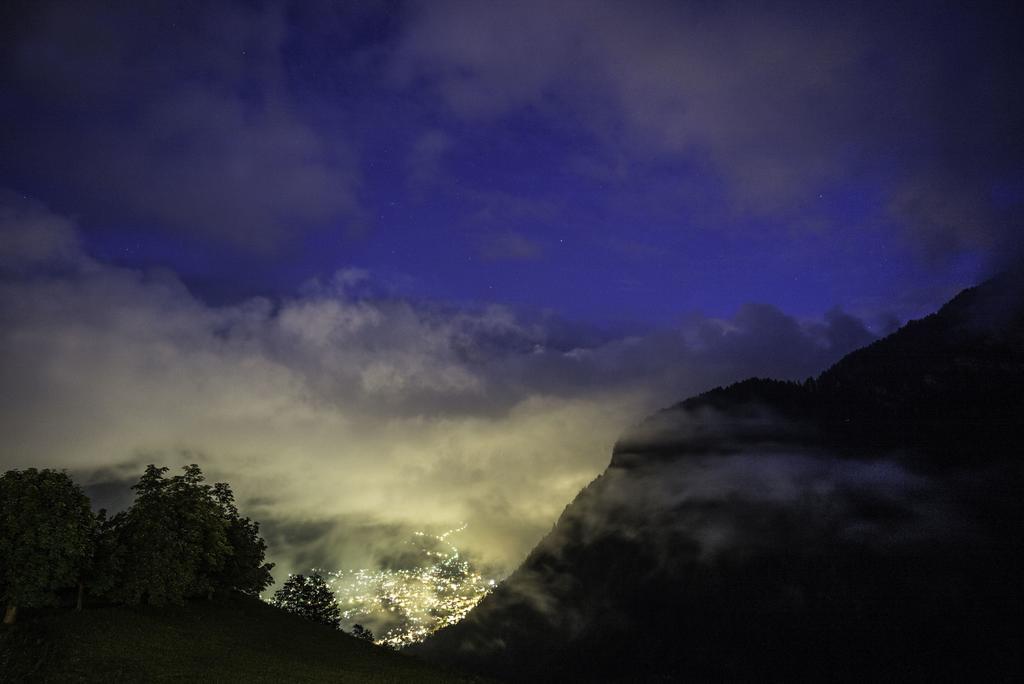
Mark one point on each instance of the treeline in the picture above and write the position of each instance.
(181, 538)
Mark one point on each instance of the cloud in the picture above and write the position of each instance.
(681, 78)
(336, 412)
(35, 238)
(754, 514)
(161, 115)
(215, 122)
(780, 103)
(730, 503)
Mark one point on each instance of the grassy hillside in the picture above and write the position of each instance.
(228, 640)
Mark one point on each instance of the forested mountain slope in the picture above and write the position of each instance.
(866, 523)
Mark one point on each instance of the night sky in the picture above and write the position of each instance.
(387, 265)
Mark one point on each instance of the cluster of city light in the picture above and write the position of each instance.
(411, 603)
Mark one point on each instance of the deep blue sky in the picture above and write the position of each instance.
(613, 163)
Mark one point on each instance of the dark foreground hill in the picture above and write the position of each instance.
(231, 640)
(864, 525)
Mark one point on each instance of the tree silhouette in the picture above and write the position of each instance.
(360, 632)
(171, 542)
(100, 571)
(244, 569)
(309, 597)
(45, 536)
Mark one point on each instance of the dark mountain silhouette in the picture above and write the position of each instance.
(863, 524)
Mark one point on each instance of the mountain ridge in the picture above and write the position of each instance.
(880, 496)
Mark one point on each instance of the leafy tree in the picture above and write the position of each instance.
(172, 542)
(309, 597)
(360, 632)
(244, 569)
(99, 573)
(46, 529)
